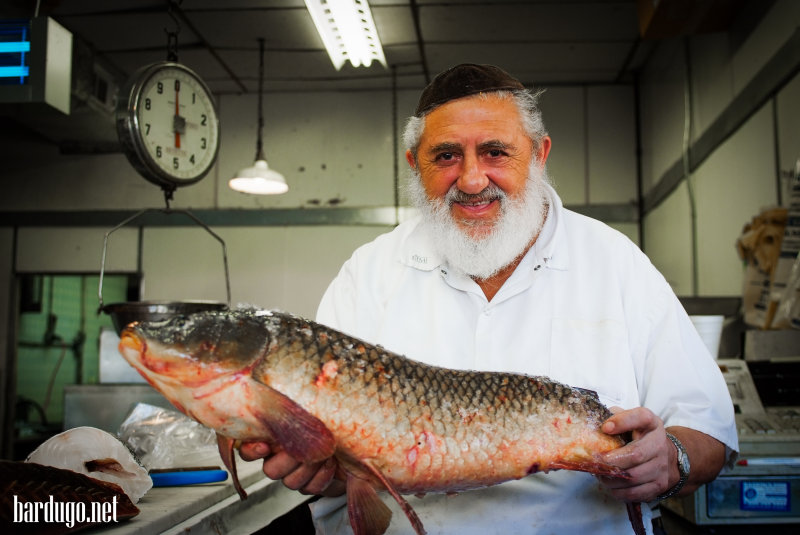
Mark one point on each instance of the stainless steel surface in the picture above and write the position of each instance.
(122, 314)
(210, 509)
(341, 215)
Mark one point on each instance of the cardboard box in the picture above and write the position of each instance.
(760, 247)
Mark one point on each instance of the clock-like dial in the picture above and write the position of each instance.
(167, 124)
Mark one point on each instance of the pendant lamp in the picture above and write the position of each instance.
(259, 179)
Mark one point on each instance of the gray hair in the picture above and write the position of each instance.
(525, 100)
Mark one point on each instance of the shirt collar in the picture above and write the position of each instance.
(418, 250)
(550, 246)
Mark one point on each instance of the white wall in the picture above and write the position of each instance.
(739, 178)
(329, 146)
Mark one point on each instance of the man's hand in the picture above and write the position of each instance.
(647, 458)
(315, 479)
(651, 458)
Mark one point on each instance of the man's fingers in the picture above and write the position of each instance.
(280, 465)
(311, 479)
(626, 457)
(250, 451)
(307, 478)
(640, 420)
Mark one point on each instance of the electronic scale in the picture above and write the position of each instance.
(763, 487)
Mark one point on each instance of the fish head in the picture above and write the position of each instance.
(205, 350)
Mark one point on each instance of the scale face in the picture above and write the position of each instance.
(168, 125)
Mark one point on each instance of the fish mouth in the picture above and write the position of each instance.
(132, 347)
(163, 367)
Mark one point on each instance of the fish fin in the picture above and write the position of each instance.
(635, 516)
(301, 434)
(367, 512)
(225, 446)
(593, 467)
(416, 523)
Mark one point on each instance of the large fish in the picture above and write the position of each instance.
(391, 423)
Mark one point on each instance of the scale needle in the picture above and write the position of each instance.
(177, 114)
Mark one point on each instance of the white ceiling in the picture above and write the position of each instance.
(541, 42)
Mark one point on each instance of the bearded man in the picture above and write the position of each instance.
(496, 275)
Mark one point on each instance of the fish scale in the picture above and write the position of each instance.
(465, 393)
(390, 422)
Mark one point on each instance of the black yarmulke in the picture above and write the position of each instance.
(464, 80)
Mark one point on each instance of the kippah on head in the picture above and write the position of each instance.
(464, 80)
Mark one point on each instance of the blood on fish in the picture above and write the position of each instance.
(329, 371)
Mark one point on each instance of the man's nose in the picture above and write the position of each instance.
(473, 177)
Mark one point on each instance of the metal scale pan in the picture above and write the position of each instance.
(124, 313)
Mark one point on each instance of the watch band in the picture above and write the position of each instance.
(683, 468)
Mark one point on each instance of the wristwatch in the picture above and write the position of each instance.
(683, 468)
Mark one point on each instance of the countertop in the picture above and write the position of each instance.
(210, 508)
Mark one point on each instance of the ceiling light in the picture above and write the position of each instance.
(259, 179)
(348, 31)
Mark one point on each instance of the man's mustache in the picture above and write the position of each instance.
(490, 193)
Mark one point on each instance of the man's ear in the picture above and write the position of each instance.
(410, 159)
(544, 149)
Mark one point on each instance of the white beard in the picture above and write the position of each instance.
(482, 249)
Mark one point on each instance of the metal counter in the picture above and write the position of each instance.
(211, 508)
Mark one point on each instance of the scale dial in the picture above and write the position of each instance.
(167, 124)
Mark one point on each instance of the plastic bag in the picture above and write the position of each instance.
(164, 438)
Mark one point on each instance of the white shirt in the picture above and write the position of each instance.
(584, 307)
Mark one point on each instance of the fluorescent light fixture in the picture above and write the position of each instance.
(348, 31)
(15, 46)
(259, 179)
(14, 72)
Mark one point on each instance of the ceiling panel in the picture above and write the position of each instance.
(540, 41)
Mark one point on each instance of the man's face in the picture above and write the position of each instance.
(469, 144)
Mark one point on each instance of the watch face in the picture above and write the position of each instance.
(683, 459)
(169, 126)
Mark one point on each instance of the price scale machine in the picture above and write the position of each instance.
(763, 487)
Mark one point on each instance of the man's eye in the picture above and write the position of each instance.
(496, 153)
(446, 156)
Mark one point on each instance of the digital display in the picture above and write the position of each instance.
(15, 47)
(765, 496)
